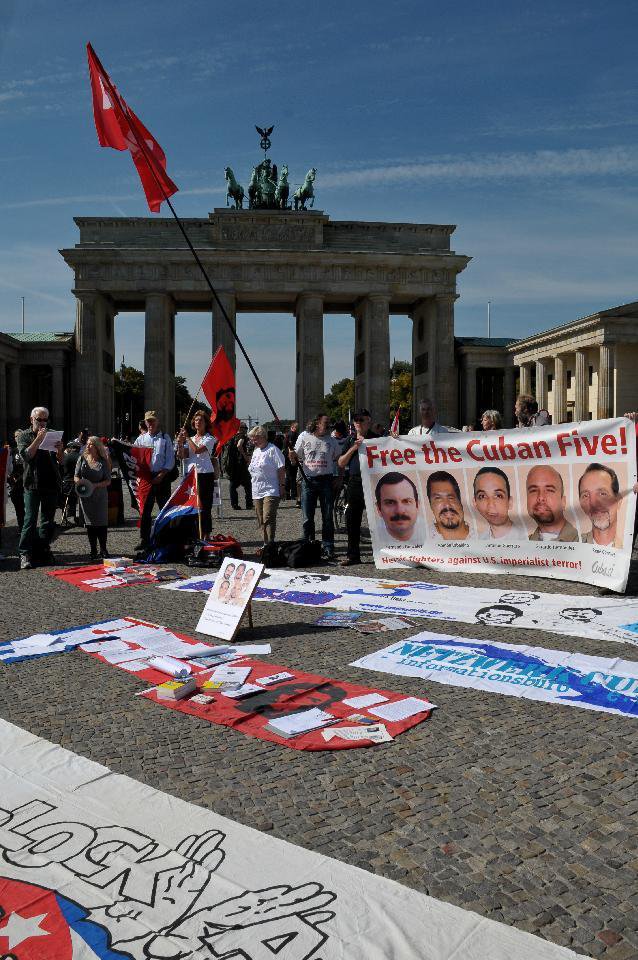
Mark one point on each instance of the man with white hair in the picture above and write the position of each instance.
(42, 483)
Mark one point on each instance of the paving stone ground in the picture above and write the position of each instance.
(524, 812)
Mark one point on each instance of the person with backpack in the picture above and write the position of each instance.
(163, 472)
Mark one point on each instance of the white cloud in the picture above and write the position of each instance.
(609, 161)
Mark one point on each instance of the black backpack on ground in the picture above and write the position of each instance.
(300, 553)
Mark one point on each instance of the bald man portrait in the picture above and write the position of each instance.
(546, 505)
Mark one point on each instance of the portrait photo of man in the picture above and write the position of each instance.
(225, 400)
(546, 505)
(498, 615)
(444, 497)
(599, 498)
(493, 501)
(397, 504)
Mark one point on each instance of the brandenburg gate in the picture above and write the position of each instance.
(273, 261)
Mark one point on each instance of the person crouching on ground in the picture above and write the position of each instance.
(267, 469)
(94, 466)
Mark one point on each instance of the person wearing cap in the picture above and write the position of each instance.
(162, 463)
(349, 461)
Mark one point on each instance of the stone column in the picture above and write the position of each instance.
(509, 389)
(444, 376)
(16, 415)
(309, 389)
(58, 413)
(88, 364)
(541, 384)
(4, 435)
(372, 357)
(525, 378)
(423, 355)
(560, 399)
(581, 391)
(469, 413)
(222, 336)
(605, 381)
(159, 359)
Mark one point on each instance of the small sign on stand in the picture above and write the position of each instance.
(230, 598)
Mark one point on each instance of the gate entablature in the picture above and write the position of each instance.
(275, 261)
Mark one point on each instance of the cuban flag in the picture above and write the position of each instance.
(40, 924)
(176, 521)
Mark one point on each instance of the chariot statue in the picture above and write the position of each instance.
(269, 189)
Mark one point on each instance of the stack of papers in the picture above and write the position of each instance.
(401, 709)
(245, 690)
(295, 724)
(377, 733)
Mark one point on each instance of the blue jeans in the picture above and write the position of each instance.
(319, 489)
(46, 502)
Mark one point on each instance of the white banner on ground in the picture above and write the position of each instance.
(554, 676)
(599, 618)
(95, 865)
(553, 501)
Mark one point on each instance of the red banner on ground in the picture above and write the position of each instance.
(95, 577)
(301, 691)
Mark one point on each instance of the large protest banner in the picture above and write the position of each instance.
(96, 866)
(553, 501)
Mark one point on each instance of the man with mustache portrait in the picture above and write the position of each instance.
(397, 503)
(445, 502)
(599, 496)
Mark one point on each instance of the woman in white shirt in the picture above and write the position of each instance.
(267, 469)
(198, 452)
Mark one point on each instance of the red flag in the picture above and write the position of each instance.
(135, 466)
(118, 127)
(219, 389)
(394, 428)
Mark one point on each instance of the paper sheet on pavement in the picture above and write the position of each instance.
(367, 700)
(401, 709)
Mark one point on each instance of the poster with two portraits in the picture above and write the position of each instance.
(555, 501)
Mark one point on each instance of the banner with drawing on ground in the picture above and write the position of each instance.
(554, 501)
(535, 673)
(598, 618)
(87, 872)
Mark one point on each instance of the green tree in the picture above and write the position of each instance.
(129, 400)
(401, 392)
(339, 400)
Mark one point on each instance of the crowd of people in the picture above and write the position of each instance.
(310, 467)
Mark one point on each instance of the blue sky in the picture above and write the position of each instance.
(517, 122)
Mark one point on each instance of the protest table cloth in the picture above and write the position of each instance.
(303, 691)
(554, 501)
(88, 874)
(553, 676)
(598, 618)
(94, 577)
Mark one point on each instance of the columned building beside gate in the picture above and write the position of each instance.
(305, 264)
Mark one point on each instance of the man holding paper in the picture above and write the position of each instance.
(42, 484)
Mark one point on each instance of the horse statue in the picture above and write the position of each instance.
(282, 191)
(235, 191)
(305, 191)
(253, 190)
